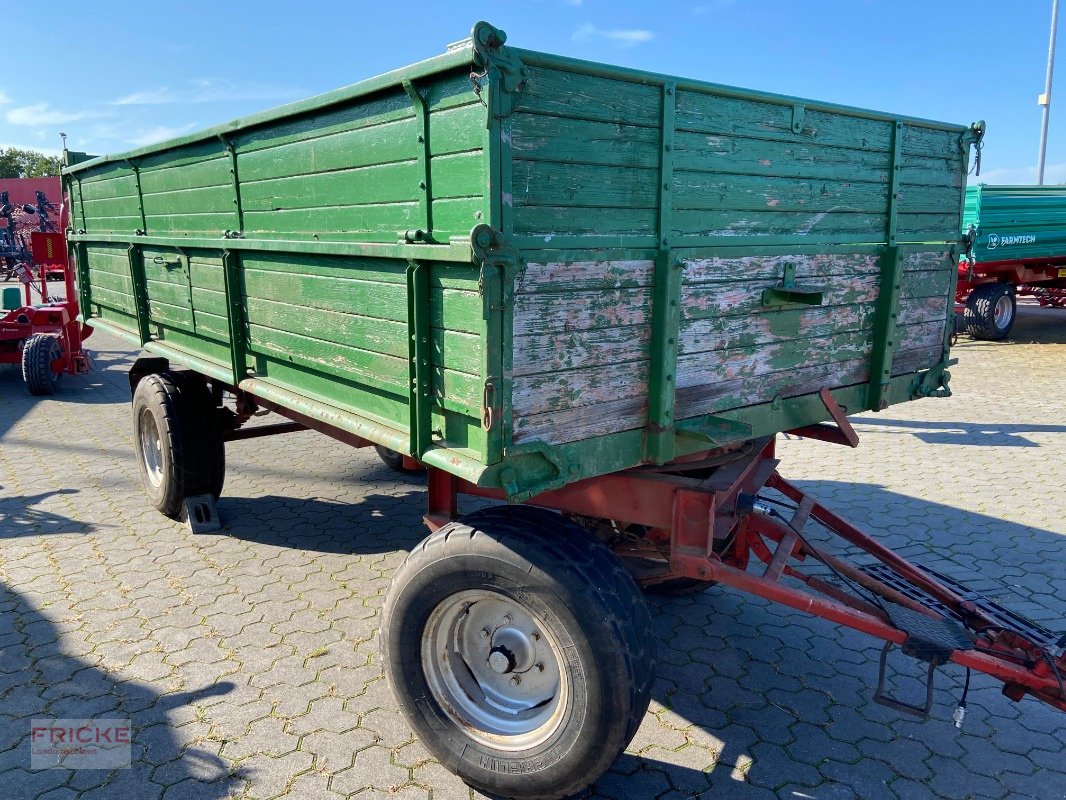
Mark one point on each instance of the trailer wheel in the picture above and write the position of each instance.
(39, 352)
(990, 311)
(178, 441)
(520, 650)
(394, 461)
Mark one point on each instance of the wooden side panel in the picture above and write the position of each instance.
(581, 348)
(353, 173)
(108, 201)
(586, 156)
(112, 285)
(736, 352)
(586, 164)
(344, 322)
(582, 332)
(349, 172)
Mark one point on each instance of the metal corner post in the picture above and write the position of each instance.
(666, 305)
(419, 348)
(235, 315)
(886, 318)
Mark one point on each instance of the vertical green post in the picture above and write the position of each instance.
(140, 291)
(662, 367)
(420, 350)
(886, 319)
(666, 162)
(78, 251)
(235, 315)
(425, 203)
(893, 182)
(666, 304)
(140, 197)
(235, 180)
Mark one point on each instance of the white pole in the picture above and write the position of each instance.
(1045, 99)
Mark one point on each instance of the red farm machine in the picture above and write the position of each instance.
(44, 337)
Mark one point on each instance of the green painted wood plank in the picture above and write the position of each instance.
(539, 137)
(553, 91)
(576, 186)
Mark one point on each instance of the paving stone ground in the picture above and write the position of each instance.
(249, 666)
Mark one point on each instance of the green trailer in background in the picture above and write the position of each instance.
(567, 285)
(1018, 236)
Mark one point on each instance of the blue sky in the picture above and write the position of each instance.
(114, 75)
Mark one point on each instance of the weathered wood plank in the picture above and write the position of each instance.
(548, 222)
(806, 266)
(556, 351)
(731, 394)
(570, 276)
(540, 394)
(571, 94)
(733, 298)
(718, 333)
(545, 183)
(711, 113)
(539, 137)
(712, 367)
(536, 313)
(585, 422)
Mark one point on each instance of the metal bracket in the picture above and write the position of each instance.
(975, 136)
(935, 381)
(425, 205)
(565, 471)
(497, 60)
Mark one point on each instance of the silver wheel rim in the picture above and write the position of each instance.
(151, 447)
(494, 669)
(1003, 312)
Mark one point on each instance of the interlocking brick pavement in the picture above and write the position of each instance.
(248, 661)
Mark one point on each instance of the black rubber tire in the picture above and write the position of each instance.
(981, 312)
(594, 610)
(394, 461)
(192, 451)
(38, 353)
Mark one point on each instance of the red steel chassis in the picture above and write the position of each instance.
(703, 519)
(57, 318)
(1041, 278)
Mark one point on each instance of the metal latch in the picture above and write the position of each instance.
(791, 293)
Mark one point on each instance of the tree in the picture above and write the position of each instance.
(16, 163)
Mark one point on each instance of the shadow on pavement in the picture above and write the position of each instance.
(19, 517)
(979, 434)
(781, 695)
(42, 681)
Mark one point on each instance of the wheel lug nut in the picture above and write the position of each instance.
(539, 667)
(507, 619)
(535, 636)
(485, 632)
(515, 680)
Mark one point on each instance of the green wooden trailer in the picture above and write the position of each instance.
(523, 271)
(1017, 247)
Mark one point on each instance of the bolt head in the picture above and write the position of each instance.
(485, 632)
(515, 680)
